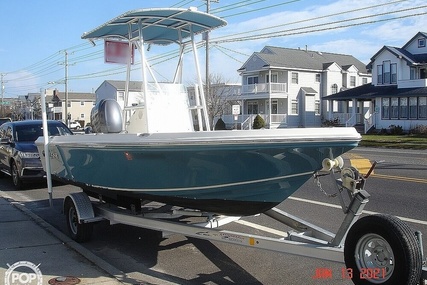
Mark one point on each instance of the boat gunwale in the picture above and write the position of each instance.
(220, 142)
(252, 137)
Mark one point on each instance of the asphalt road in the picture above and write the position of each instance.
(398, 187)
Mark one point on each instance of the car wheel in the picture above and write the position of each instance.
(16, 178)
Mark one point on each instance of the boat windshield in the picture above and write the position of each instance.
(30, 133)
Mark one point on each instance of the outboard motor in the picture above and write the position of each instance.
(106, 117)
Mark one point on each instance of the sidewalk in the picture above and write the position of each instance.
(26, 240)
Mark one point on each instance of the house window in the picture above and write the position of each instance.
(252, 80)
(295, 77)
(121, 96)
(386, 72)
(317, 77)
(393, 73)
(385, 108)
(82, 116)
(334, 88)
(82, 103)
(421, 42)
(413, 73)
(412, 107)
(274, 106)
(317, 107)
(252, 107)
(274, 78)
(69, 104)
(403, 111)
(352, 81)
(364, 80)
(294, 107)
(422, 107)
(379, 74)
(394, 108)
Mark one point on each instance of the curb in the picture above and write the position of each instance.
(67, 241)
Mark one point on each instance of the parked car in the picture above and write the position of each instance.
(19, 157)
(75, 125)
(4, 120)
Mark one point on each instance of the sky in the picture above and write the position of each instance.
(36, 35)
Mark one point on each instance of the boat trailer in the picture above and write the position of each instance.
(378, 248)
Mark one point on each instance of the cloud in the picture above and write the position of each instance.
(361, 49)
(18, 83)
(356, 31)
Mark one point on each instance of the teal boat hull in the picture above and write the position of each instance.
(228, 178)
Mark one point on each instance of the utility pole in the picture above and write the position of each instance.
(2, 93)
(66, 64)
(208, 6)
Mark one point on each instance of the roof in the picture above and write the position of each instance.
(369, 91)
(158, 26)
(73, 96)
(422, 34)
(411, 59)
(135, 86)
(309, 90)
(306, 59)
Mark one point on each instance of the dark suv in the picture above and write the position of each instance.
(19, 157)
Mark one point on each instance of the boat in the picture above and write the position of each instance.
(150, 151)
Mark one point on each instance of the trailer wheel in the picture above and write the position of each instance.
(381, 249)
(78, 231)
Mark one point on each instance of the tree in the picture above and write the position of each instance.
(220, 96)
(259, 122)
(220, 125)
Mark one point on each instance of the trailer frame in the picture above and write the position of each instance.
(305, 238)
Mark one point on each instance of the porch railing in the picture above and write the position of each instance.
(348, 119)
(279, 118)
(369, 121)
(245, 121)
(264, 88)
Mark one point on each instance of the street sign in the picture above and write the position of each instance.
(236, 109)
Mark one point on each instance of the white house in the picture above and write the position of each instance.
(286, 86)
(398, 93)
(79, 106)
(115, 89)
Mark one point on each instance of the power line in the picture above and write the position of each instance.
(45, 67)
(286, 32)
(235, 5)
(316, 18)
(258, 9)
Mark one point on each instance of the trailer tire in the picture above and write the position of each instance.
(78, 231)
(382, 249)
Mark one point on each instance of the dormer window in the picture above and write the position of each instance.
(421, 42)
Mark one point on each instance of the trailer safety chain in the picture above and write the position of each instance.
(319, 185)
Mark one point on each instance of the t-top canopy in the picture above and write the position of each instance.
(158, 26)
